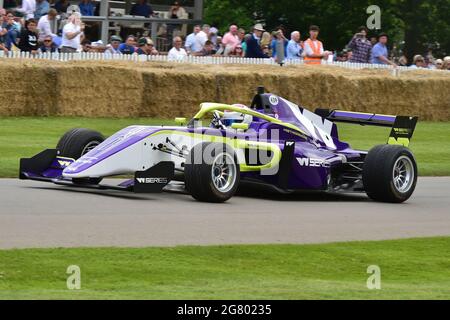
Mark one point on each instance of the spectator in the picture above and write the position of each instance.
(294, 48)
(177, 52)
(48, 45)
(208, 49)
(44, 25)
(13, 30)
(128, 46)
(28, 8)
(446, 65)
(279, 46)
(113, 46)
(72, 34)
(439, 64)
(62, 5)
(241, 35)
(146, 47)
(231, 39)
(313, 48)
(191, 44)
(418, 62)
(28, 41)
(373, 40)
(253, 43)
(3, 36)
(266, 40)
(86, 45)
(177, 11)
(42, 8)
(141, 8)
(360, 46)
(202, 36)
(380, 52)
(220, 47)
(87, 8)
(238, 51)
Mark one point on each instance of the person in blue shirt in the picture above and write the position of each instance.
(278, 38)
(128, 47)
(42, 7)
(141, 8)
(294, 48)
(87, 8)
(380, 52)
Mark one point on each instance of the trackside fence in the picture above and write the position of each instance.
(97, 56)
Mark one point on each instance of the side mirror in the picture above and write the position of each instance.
(240, 126)
(180, 121)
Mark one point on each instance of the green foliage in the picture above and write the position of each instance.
(417, 22)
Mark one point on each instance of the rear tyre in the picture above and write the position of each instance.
(212, 172)
(389, 173)
(76, 143)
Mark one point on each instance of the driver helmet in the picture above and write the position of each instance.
(231, 117)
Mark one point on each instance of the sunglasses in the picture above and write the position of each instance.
(47, 40)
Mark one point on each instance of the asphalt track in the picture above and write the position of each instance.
(37, 214)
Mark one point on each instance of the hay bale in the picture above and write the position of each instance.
(129, 89)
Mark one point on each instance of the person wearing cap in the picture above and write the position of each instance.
(253, 43)
(380, 52)
(113, 46)
(177, 52)
(418, 62)
(146, 47)
(313, 48)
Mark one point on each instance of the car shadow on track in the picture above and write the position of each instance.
(181, 194)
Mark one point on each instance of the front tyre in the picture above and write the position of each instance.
(212, 172)
(390, 173)
(76, 143)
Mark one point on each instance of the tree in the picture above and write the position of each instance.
(417, 22)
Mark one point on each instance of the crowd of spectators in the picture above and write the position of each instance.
(28, 29)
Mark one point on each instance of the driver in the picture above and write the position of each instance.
(230, 117)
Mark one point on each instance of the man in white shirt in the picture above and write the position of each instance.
(28, 8)
(72, 34)
(191, 43)
(177, 52)
(202, 36)
(44, 25)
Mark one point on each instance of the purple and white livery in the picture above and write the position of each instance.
(273, 144)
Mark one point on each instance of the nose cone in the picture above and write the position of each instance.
(114, 144)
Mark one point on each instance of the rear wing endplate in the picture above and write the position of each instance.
(402, 126)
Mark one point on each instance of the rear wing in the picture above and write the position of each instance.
(402, 126)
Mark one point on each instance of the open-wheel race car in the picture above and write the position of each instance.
(272, 144)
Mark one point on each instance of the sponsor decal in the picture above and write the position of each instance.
(152, 180)
(313, 162)
(273, 100)
(64, 163)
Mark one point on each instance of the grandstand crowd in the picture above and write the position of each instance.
(28, 28)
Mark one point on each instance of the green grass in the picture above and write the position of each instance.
(410, 269)
(24, 137)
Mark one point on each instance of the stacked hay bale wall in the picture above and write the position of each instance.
(128, 89)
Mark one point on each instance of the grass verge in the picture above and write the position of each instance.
(410, 269)
(26, 136)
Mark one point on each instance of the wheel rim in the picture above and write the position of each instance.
(223, 172)
(403, 174)
(91, 145)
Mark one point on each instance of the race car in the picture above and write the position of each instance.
(273, 144)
